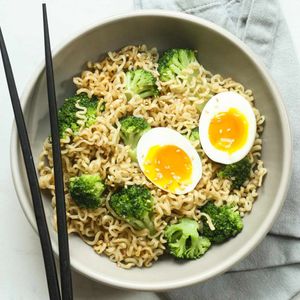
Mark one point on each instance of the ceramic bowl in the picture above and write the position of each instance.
(220, 52)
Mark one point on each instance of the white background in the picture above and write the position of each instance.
(21, 266)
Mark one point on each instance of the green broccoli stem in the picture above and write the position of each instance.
(135, 223)
(149, 224)
(132, 140)
(146, 94)
(132, 154)
(142, 224)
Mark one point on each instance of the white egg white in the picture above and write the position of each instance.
(222, 102)
(165, 136)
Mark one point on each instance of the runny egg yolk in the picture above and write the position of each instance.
(168, 167)
(228, 131)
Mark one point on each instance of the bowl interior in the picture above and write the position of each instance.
(219, 52)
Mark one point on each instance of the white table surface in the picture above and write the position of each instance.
(21, 266)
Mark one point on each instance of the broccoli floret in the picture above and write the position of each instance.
(134, 205)
(237, 172)
(184, 240)
(173, 61)
(67, 113)
(132, 129)
(227, 222)
(141, 82)
(86, 190)
(194, 135)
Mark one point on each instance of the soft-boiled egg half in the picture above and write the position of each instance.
(227, 127)
(169, 160)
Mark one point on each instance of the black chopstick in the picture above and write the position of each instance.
(38, 206)
(64, 257)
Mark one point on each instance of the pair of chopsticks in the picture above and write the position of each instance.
(64, 259)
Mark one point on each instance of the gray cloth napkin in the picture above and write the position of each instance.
(272, 271)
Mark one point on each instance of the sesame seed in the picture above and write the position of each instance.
(168, 184)
(177, 178)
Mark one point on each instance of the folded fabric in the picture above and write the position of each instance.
(272, 270)
(273, 283)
